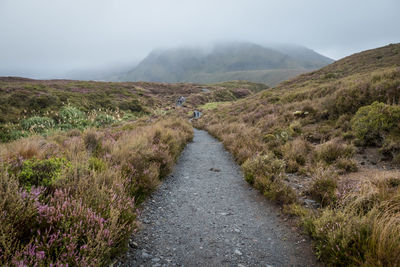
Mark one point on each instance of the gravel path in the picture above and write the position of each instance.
(205, 214)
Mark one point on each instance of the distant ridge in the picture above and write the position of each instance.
(224, 62)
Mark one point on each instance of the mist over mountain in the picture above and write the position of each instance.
(230, 61)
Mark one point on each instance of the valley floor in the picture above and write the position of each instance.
(205, 214)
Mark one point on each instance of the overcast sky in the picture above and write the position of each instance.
(46, 38)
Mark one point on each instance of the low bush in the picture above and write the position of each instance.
(363, 230)
(372, 123)
(266, 173)
(36, 172)
(346, 165)
(37, 124)
(103, 119)
(331, 151)
(324, 185)
(70, 117)
(296, 153)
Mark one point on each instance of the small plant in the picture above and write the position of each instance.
(36, 172)
(97, 164)
(92, 142)
(331, 151)
(346, 165)
(103, 119)
(371, 123)
(71, 117)
(37, 124)
(323, 188)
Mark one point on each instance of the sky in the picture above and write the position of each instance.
(49, 38)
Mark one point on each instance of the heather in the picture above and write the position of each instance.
(325, 146)
(71, 198)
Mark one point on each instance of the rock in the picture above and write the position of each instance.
(238, 252)
(311, 203)
(215, 170)
(145, 255)
(133, 244)
(155, 260)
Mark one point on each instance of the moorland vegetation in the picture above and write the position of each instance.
(326, 146)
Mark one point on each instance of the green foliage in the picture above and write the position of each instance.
(211, 105)
(36, 172)
(37, 124)
(262, 165)
(371, 123)
(265, 172)
(10, 133)
(71, 117)
(103, 119)
(132, 105)
(97, 164)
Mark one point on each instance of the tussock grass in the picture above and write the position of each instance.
(311, 127)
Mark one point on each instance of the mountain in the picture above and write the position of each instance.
(224, 62)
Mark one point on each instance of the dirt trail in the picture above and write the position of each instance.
(205, 214)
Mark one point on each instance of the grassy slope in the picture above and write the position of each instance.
(308, 138)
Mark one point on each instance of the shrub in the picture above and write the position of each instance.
(262, 165)
(103, 119)
(362, 231)
(92, 142)
(70, 117)
(266, 172)
(296, 153)
(331, 151)
(323, 187)
(371, 123)
(346, 165)
(10, 133)
(97, 164)
(37, 124)
(132, 105)
(35, 172)
(17, 216)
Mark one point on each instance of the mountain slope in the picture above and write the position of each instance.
(238, 61)
(328, 139)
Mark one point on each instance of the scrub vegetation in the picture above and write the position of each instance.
(71, 197)
(326, 145)
(77, 159)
